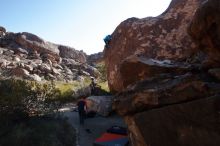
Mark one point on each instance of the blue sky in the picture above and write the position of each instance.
(81, 24)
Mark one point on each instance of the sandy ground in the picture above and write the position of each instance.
(93, 127)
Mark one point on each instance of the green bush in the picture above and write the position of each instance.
(30, 98)
(104, 86)
(38, 131)
(70, 92)
(25, 118)
(102, 69)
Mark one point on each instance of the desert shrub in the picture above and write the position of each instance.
(69, 92)
(102, 69)
(102, 81)
(38, 131)
(25, 115)
(104, 86)
(25, 97)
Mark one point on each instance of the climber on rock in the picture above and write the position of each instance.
(107, 40)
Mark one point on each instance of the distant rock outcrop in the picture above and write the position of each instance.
(31, 43)
(168, 81)
(95, 58)
(68, 52)
(162, 37)
(2, 31)
(26, 55)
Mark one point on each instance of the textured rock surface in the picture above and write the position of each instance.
(2, 31)
(19, 72)
(68, 52)
(29, 42)
(95, 58)
(173, 106)
(194, 123)
(169, 99)
(205, 30)
(162, 37)
(215, 72)
(137, 68)
(165, 89)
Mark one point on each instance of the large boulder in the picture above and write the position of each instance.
(45, 68)
(1, 51)
(174, 101)
(165, 89)
(2, 31)
(95, 58)
(34, 77)
(193, 123)
(159, 106)
(19, 72)
(36, 43)
(20, 51)
(205, 30)
(71, 53)
(3, 63)
(91, 70)
(29, 42)
(162, 37)
(99, 104)
(82, 91)
(138, 68)
(28, 67)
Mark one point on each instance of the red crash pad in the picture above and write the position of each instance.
(109, 139)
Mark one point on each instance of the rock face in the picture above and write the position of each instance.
(30, 43)
(68, 52)
(169, 99)
(2, 31)
(162, 37)
(95, 58)
(187, 124)
(135, 68)
(165, 89)
(99, 104)
(26, 55)
(205, 30)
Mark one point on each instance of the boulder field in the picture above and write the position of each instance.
(28, 56)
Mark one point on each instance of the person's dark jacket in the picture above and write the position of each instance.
(81, 105)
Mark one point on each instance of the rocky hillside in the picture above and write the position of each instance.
(27, 56)
(166, 71)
